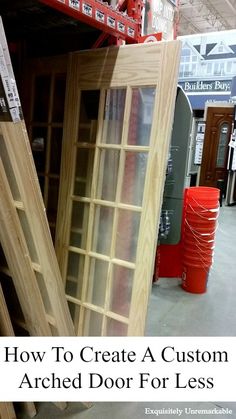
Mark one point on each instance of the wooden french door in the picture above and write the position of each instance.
(215, 149)
(119, 110)
(43, 103)
(43, 96)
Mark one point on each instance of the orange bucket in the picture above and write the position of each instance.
(203, 197)
(197, 253)
(205, 233)
(195, 279)
(198, 261)
(201, 205)
(200, 220)
(195, 243)
(205, 214)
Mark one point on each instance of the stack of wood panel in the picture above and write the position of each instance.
(32, 297)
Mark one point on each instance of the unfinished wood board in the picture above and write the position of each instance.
(6, 329)
(17, 255)
(119, 110)
(23, 182)
(22, 188)
(25, 234)
(7, 410)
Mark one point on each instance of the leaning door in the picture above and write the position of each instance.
(119, 110)
(215, 150)
(43, 106)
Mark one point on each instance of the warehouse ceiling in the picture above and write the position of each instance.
(27, 18)
(200, 16)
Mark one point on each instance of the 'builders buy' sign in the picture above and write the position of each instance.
(207, 66)
(206, 86)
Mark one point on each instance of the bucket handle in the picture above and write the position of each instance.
(202, 216)
(201, 206)
(197, 234)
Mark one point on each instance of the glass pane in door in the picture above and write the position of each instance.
(53, 191)
(41, 105)
(88, 116)
(108, 174)
(127, 235)
(102, 229)
(75, 313)
(92, 323)
(223, 145)
(74, 278)
(121, 290)
(79, 224)
(116, 328)
(113, 116)
(83, 171)
(134, 178)
(59, 97)
(55, 151)
(39, 144)
(141, 116)
(96, 290)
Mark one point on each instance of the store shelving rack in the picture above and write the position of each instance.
(123, 22)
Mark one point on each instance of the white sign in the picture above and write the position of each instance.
(117, 369)
(159, 18)
(199, 142)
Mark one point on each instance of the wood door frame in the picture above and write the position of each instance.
(143, 65)
(210, 148)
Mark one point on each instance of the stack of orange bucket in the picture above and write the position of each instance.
(201, 209)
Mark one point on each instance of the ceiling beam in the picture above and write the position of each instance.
(217, 15)
(231, 6)
(188, 22)
(215, 18)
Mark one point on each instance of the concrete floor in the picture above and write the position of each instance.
(173, 312)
